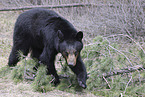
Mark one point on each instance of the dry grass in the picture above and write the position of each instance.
(9, 89)
(6, 29)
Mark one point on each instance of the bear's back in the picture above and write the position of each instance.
(32, 22)
(35, 15)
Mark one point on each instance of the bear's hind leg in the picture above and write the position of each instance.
(15, 56)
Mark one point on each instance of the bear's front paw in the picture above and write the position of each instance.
(11, 65)
(83, 85)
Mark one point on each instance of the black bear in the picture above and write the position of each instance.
(45, 34)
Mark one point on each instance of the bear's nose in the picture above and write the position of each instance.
(70, 64)
(71, 60)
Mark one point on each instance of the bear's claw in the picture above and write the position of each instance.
(82, 84)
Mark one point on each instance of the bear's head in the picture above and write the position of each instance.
(70, 48)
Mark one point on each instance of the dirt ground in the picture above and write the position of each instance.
(9, 89)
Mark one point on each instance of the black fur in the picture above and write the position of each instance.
(45, 33)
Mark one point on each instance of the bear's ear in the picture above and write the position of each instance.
(60, 35)
(79, 35)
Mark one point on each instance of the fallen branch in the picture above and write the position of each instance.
(61, 6)
(127, 84)
(138, 44)
(107, 82)
(44, 6)
(122, 54)
(125, 70)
